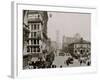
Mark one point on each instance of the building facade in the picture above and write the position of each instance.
(68, 40)
(34, 39)
(80, 49)
(34, 34)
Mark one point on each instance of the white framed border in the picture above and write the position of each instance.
(17, 71)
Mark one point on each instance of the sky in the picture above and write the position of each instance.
(68, 24)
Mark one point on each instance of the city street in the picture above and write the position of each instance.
(47, 45)
(61, 61)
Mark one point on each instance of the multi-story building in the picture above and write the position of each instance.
(68, 40)
(34, 39)
(36, 34)
(80, 48)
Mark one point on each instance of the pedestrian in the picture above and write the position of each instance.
(67, 62)
(55, 66)
(80, 62)
(60, 66)
(88, 64)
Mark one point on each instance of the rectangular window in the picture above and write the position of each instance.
(34, 49)
(27, 41)
(31, 49)
(38, 26)
(34, 26)
(38, 49)
(28, 49)
(34, 34)
(34, 41)
(37, 41)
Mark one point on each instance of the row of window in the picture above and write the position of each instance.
(82, 45)
(81, 51)
(34, 41)
(35, 34)
(32, 35)
(35, 16)
(33, 49)
(35, 26)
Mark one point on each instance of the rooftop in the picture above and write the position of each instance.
(81, 41)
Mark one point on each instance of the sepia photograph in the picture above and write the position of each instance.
(55, 39)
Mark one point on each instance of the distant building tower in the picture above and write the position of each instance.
(57, 38)
(68, 40)
(58, 43)
(77, 36)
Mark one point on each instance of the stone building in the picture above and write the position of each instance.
(34, 34)
(68, 40)
(79, 49)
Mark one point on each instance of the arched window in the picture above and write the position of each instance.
(81, 51)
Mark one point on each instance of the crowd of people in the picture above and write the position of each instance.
(42, 63)
(48, 62)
